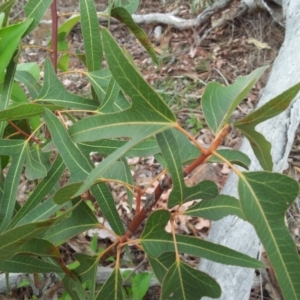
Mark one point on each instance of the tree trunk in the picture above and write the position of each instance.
(280, 131)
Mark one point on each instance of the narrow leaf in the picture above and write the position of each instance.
(91, 35)
(271, 109)
(143, 97)
(82, 218)
(124, 16)
(42, 189)
(10, 37)
(21, 263)
(13, 240)
(36, 9)
(11, 184)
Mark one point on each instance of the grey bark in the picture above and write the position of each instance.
(280, 131)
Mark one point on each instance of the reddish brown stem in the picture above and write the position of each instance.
(54, 17)
(138, 202)
(25, 133)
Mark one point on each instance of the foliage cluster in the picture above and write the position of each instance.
(125, 117)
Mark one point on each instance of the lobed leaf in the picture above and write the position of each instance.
(54, 92)
(155, 240)
(219, 102)
(182, 282)
(216, 209)
(265, 197)
(87, 270)
(261, 147)
(112, 288)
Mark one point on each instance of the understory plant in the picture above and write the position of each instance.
(46, 130)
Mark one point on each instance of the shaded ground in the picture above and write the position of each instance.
(186, 66)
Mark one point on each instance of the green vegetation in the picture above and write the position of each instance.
(123, 117)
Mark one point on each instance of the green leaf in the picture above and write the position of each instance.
(100, 81)
(155, 240)
(261, 147)
(36, 9)
(21, 263)
(68, 25)
(104, 166)
(265, 197)
(271, 109)
(11, 182)
(5, 8)
(54, 92)
(106, 147)
(82, 219)
(31, 68)
(13, 240)
(234, 156)
(182, 282)
(41, 191)
(143, 97)
(112, 92)
(112, 288)
(140, 284)
(219, 102)
(107, 205)
(124, 16)
(91, 35)
(160, 265)
(74, 288)
(130, 5)
(40, 247)
(24, 111)
(180, 192)
(87, 270)
(10, 38)
(217, 208)
(41, 212)
(77, 163)
(31, 84)
(37, 163)
(7, 86)
(64, 194)
(63, 62)
(79, 167)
